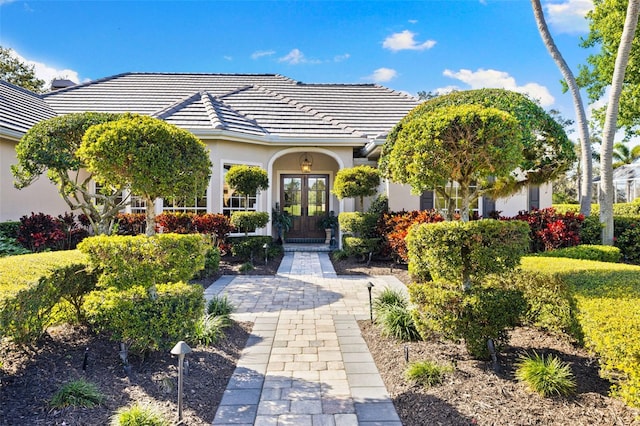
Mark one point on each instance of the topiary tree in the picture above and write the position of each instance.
(51, 146)
(247, 181)
(358, 181)
(151, 158)
(466, 144)
(546, 150)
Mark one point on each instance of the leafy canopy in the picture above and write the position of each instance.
(546, 150)
(466, 144)
(51, 146)
(358, 181)
(606, 22)
(150, 157)
(17, 72)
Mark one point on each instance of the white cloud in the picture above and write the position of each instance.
(6, 2)
(340, 58)
(499, 79)
(568, 16)
(405, 41)
(296, 57)
(413, 21)
(261, 53)
(382, 75)
(46, 72)
(227, 58)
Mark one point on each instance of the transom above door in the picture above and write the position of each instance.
(305, 197)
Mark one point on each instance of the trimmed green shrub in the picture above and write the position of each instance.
(547, 376)
(30, 287)
(137, 415)
(249, 221)
(339, 255)
(126, 261)
(475, 316)
(607, 297)
(211, 262)
(358, 224)
(144, 318)
(587, 252)
(78, 393)
(248, 248)
(628, 238)
(465, 252)
(591, 230)
(356, 246)
(550, 302)
(9, 229)
(426, 373)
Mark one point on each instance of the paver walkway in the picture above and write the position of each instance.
(305, 362)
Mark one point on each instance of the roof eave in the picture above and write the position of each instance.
(11, 134)
(275, 139)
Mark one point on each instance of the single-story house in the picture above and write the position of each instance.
(302, 134)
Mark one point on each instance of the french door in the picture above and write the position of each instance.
(305, 198)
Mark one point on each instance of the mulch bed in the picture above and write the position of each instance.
(28, 380)
(476, 395)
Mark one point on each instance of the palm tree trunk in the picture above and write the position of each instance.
(611, 119)
(585, 187)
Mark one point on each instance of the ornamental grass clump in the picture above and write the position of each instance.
(548, 376)
(78, 393)
(137, 415)
(426, 373)
(393, 316)
(220, 306)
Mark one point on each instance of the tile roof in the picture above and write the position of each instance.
(251, 104)
(20, 109)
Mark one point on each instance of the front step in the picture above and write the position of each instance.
(310, 247)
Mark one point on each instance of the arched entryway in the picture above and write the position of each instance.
(305, 195)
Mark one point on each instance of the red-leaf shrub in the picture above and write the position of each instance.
(213, 224)
(131, 223)
(179, 223)
(395, 226)
(41, 232)
(550, 230)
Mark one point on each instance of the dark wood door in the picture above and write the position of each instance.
(306, 199)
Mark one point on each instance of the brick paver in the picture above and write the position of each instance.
(305, 362)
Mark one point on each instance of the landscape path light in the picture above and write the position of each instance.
(370, 287)
(180, 349)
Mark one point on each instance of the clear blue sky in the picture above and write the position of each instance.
(405, 45)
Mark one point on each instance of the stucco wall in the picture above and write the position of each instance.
(40, 196)
(400, 197)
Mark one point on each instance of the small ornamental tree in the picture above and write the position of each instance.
(51, 146)
(546, 151)
(150, 157)
(466, 144)
(358, 181)
(247, 181)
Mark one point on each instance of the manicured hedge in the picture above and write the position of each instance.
(126, 261)
(608, 301)
(586, 252)
(457, 251)
(32, 284)
(146, 319)
(9, 229)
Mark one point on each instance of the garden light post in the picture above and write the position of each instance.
(266, 252)
(370, 287)
(180, 349)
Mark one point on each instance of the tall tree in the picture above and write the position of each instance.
(151, 158)
(612, 26)
(586, 169)
(623, 155)
(50, 147)
(466, 144)
(17, 72)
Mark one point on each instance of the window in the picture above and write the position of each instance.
(185, 204)
(138, 205)
(440, 203)
(232, 201)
